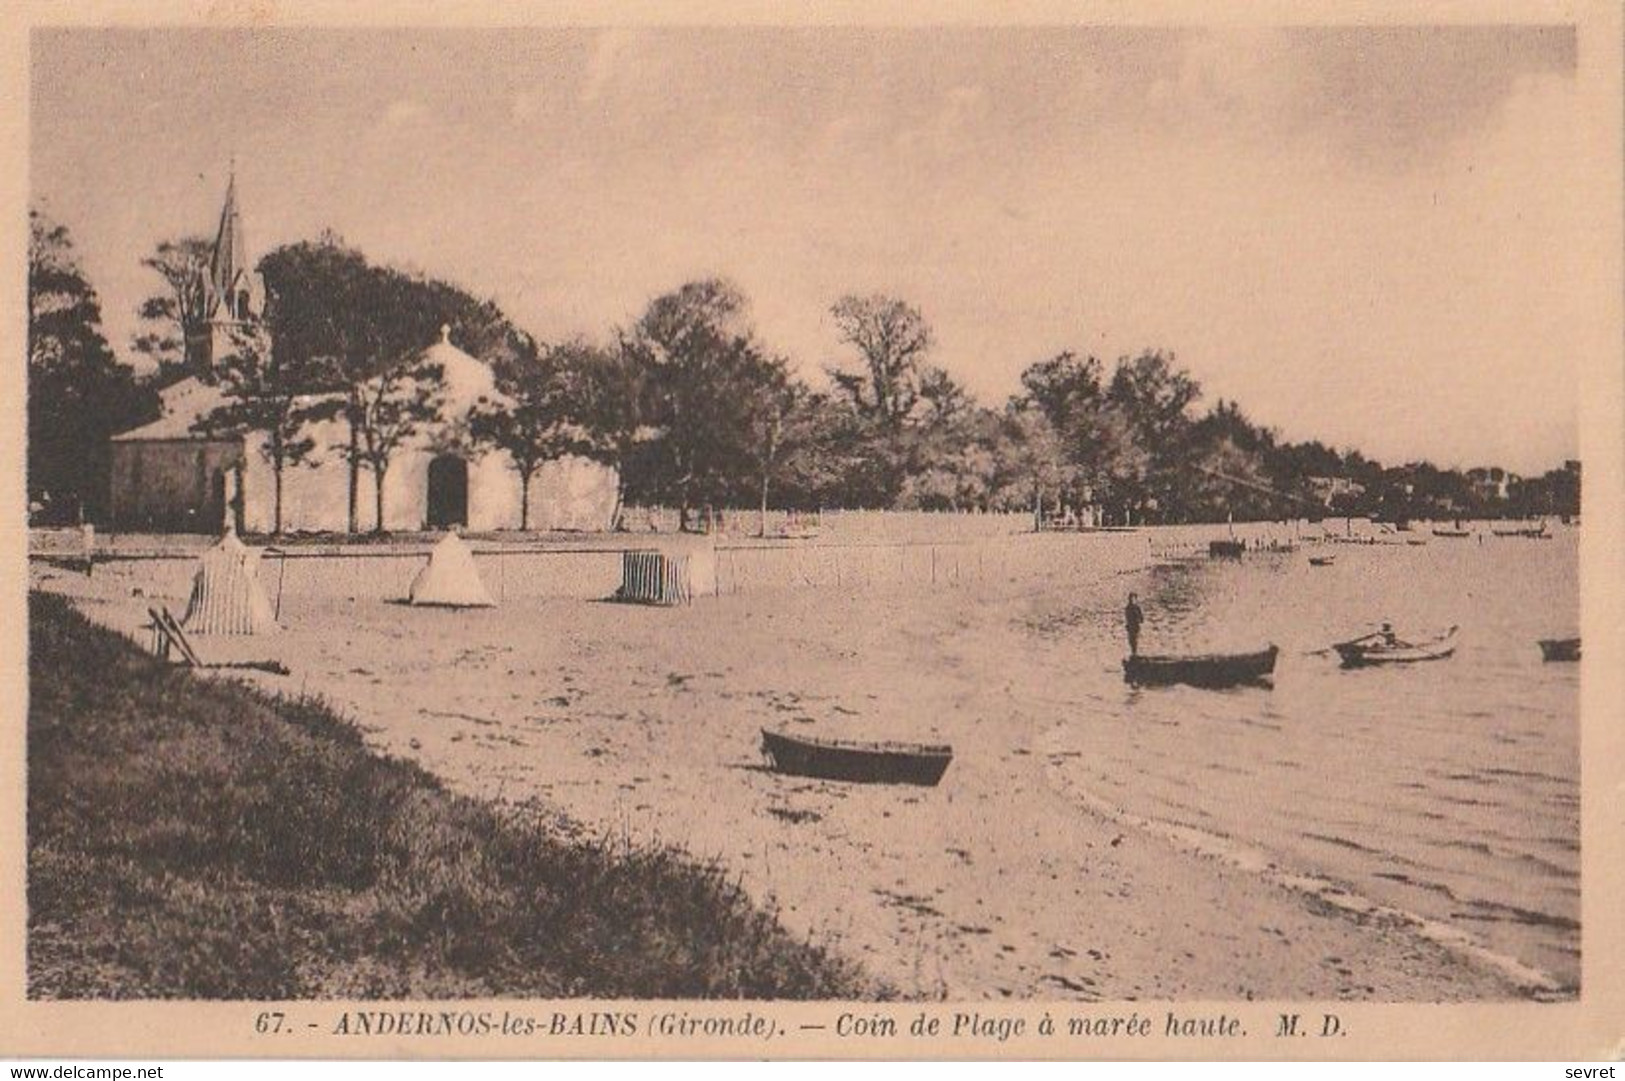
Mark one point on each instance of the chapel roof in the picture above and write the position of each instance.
(465, 379)
(183, 403)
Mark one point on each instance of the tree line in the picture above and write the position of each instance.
(692, 409)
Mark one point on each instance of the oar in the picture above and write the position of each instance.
(1332, 648)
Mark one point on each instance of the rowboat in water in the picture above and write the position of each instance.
(1560, 649)
(1208, 670)
(1374, 649)
(1456, 533)
(856, 760)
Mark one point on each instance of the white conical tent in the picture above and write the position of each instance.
(450, 578)
(227, 597)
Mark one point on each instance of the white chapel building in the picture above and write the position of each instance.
(167, 475)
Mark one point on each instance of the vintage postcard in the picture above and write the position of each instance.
(1035, 531)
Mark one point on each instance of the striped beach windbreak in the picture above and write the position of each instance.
(227, 597)
(655, 578)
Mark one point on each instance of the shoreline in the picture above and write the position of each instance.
(1328, 894)
(997, 884)
(193, 838)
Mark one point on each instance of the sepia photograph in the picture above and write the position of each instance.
(1079, 513)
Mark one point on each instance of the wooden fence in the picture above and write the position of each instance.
(598, 567)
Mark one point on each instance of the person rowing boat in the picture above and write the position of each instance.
(1385, 647)
(1384, 637)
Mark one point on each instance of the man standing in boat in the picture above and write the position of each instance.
(1132, 619)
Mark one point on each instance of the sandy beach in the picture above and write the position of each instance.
(643, 724)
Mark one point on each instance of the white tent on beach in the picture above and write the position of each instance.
(227, 597)
(450, 578)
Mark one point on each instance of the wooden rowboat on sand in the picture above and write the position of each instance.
(1371, 650)
(1559, 649)
(856, 760)
(1210, 670)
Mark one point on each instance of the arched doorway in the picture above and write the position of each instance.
(448, 492)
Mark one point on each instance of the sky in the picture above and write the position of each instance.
(1367, 236)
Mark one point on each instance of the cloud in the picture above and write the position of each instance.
(603, 63)
(963, 108)
(1225, 76)
(527, 105)
(404, 113)
(1382, 98)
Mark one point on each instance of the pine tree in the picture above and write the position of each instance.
(79, 395)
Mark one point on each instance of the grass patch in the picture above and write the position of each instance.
(192, 838)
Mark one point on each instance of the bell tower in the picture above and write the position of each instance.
(229, 290)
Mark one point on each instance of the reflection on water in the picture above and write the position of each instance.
(1448, 789)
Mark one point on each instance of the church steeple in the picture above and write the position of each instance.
(230, 293)
(228, 265)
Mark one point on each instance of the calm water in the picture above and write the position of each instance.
(1448, 789)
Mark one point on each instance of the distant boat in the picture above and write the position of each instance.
(1209, 670)
(1322, 561)
(1437, 532)
(1415, 542)
(1225, 549)
(1373, 650)
(857, 760)
(1560, 649)
(1537, 532)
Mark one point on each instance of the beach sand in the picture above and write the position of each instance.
(643, 724)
